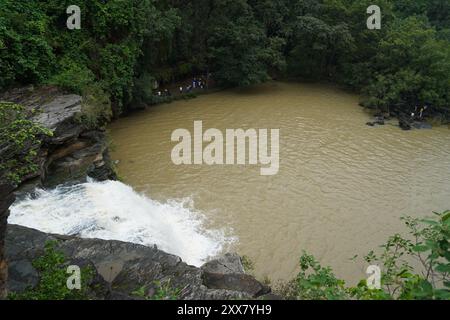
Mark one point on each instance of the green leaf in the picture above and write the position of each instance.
(444, 268)
(421, 248)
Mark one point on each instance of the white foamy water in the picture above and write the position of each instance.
(112, 210)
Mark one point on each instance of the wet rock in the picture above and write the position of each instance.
(6, 199)
(227, 273)
(124, 268)
(228, 263)
(404, 124)
(73, 153)
(379, 120)
(421, 125)
(22, 275)
(235, 282)
(270, 296)
(76, 166)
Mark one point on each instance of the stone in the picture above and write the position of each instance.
(228, 263)
(73, 152)
(422, 125)
(124, 268)
(404, 125)
(23, 270)
(227, 273)
(6, 199)
(235, 282)
(270, 296)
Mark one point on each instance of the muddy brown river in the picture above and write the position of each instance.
(341, 187)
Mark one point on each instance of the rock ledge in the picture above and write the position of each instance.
(122, 268)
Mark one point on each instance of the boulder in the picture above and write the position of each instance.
(124, 268)
(73, 152)
(227, 273)
(228, 263)
(404, 124)
(235, 282)
(6, 199)
(421, 125)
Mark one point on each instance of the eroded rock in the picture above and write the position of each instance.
(228, 263)
(73, 152)
(127, 267)
(227, 273)
(6, 199)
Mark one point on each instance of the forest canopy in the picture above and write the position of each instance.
(123, 47)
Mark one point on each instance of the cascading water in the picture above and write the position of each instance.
(112, 210)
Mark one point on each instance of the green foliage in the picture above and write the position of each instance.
(36, 47)
(20, 139)
(248, 264)
(314, 282)
(413, 268)
(413, 68)
(124, 46)
(96, 109)
(239, 50)
(318, 47)
(428, 247)
(160, 291)
(25, 54)
(51, 267)
(73, 76)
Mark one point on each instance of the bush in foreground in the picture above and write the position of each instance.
(427, 248)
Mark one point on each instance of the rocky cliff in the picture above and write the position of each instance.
(71, 154)
(122, 268)
(74, 151)
(6, 199)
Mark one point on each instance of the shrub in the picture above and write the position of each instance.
(314, 282)
(73, 76)
(96, 109)
(428, 244)
(53, 277)
(20, 139)
(159, 291)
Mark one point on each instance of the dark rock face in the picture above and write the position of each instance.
(227, 273)
(422, 125)
(379, 120)
(227, 264)
(71, 155)
(6, 199)
(73, 152)
(126, 267)
(235, 282)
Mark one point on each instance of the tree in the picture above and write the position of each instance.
(411, 68)
(318, 48)
(240, 53)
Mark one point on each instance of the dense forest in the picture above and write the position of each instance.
(123, 47)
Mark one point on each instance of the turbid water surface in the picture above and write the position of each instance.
(340, 191)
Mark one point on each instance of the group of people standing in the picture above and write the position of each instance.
(197, 83)
(418, 112)
(165, 93)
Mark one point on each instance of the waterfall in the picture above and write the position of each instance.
(111, 210)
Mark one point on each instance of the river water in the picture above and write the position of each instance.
(341, 188)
